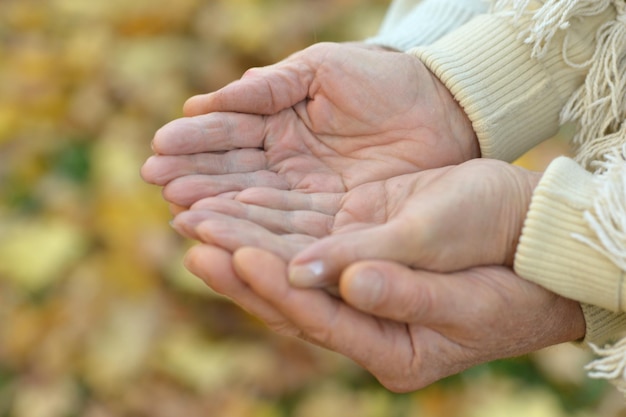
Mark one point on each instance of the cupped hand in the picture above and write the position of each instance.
(408, 328)
(445, 219)
(326, 119)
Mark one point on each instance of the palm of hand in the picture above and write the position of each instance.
(361, 116)
(444, 219)
(363, 125)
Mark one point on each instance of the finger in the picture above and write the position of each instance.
(307, 222)
(175, 209)
(231, 233)
(277, 221)
(187, 190)
(396, 292)
(161, 169)
(321, 263)
(260, 91)
(326, 203)
(322, 318)
(209, 133)
(214, 266)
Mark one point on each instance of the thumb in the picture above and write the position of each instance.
(393, 291)
(266, 90)
(322, 262)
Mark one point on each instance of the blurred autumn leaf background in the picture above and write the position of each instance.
(97, 316)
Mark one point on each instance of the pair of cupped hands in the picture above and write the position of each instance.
(353, 167)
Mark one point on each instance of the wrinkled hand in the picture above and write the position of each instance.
(327, 119)
(408, 328)
(445, 219)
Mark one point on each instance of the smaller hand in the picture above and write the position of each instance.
(408, 328)
(446, 219)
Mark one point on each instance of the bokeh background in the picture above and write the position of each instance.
(98, 318)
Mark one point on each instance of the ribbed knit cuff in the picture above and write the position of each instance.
(549, 253)
(512, 100)
(426, 22)
(603, 326)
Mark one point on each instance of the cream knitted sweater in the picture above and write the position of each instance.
(520, 70)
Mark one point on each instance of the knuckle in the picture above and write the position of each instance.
(284, 328)
(319, 335)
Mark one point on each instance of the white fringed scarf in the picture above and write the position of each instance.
(598, 109)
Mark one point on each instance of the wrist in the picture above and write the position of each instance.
(525, 184)
(573, 320)
(460, 124)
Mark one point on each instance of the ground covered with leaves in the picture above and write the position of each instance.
(98, 318)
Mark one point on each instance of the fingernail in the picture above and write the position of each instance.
(307, 275)
(181, 229)
(366, 288)
(185, 224)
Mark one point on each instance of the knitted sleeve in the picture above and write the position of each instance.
(409, 23)
(561, 248)
(513, 100)
(574, 244)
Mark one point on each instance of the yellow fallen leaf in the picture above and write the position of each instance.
(52, 398)
(119, 347)
(9, 117)
(35, 252)
(207, 366)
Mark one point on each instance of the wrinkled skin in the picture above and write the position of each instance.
(408, 328)
(445, 219)
(327, 119)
